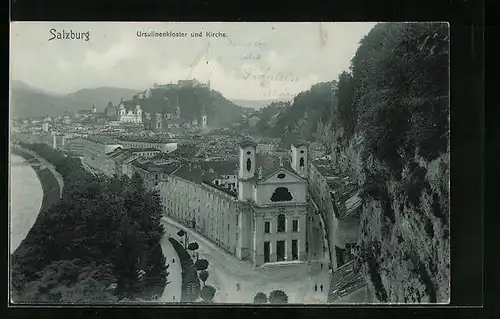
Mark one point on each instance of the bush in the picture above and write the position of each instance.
(207, 293)
(201, 264)
(260, 298)
(181, 233)
(193, 246)
(278, 297)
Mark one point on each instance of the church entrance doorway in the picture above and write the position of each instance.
(280, 250)
(295, 249)
(266, 251)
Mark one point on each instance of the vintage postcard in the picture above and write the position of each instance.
(229, 163)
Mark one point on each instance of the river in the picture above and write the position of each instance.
(26, 196)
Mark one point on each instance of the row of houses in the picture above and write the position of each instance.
(340, 206)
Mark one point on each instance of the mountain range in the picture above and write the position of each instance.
(28, 101)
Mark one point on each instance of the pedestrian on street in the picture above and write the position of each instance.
(173, 260)
(321, 266)
(315, 287)
(321, 287)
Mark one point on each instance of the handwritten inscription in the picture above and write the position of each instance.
(277, 93)
(256, 44)
(252, 56)
(266, 75)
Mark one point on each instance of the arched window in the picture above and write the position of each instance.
(281, 194)
(301, 162)
(281, 223)
(249, 165)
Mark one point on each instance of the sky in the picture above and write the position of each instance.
(254, 61)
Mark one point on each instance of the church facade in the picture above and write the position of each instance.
(129, 115)
(264, 221)
(275, 201)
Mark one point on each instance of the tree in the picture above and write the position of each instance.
(203, 276)
(181, 233)
(278, 297)
(193, 246)
(111, 225)
(192, 285)
(207, 293)
(201, 264)
(260, 298)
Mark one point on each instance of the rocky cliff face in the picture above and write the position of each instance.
(392, 137)
(404, 242)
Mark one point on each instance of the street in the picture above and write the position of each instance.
(226, 272)
(172, 291)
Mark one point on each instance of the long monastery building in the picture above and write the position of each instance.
(263, 222)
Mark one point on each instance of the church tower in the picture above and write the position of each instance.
(177, 109)
(246, 171)
(121, 111)
(138, 114)
(300, 159)
(204, 118)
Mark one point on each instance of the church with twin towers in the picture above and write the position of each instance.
(263, 221)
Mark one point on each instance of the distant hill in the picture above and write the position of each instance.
(102, 95)
(257, 104)
(297, 118)
(21, 85)
(193, 101)
(27, 101)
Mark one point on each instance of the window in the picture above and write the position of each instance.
(295, 225)
(267, 227)
(281, 194)
(281, 176)
(249, 165)
(281, 223)
(301, 162)
(237, 236)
